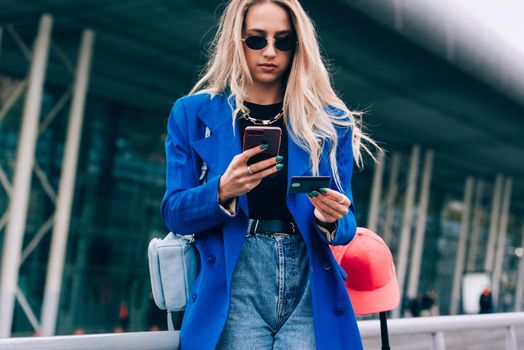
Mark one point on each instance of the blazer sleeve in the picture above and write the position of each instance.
(346, 226)
(187, 207)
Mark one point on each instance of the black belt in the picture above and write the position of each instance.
(265, 226)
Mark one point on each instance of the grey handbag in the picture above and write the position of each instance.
(173, 266)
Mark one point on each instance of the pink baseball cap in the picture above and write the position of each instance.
(372, 282)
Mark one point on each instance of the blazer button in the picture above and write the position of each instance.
(326, 266)
(211, 259)
(339, 311)
(193, 297)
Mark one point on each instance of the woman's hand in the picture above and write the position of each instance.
(239, 178)
(330, 205)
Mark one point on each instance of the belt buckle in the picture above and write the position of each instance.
(292, 226)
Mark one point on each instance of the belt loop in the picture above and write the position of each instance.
(256, 225)
(250, 223)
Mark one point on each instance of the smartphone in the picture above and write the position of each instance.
(306, 184)
(258, 135)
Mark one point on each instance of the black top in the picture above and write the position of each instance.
(268, 199)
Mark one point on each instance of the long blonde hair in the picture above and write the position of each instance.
(308, 92)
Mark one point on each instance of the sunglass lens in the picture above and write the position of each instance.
(256, 42)
(285, 44)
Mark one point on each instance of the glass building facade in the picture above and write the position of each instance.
(120, 182)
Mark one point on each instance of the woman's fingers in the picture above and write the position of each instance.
(257, 177)
(239, 179)
(330, 203)
(326, 206)
(260, 166)
(268, 171)
(263, 164)
(249, 153)
(323, 216)
(335, 196)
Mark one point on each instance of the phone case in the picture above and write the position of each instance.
(257, 135)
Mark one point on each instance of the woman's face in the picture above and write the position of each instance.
(267, 65)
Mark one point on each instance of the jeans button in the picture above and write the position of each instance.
(193, 297)
(326, 266)
(339, 311)
(211, 259)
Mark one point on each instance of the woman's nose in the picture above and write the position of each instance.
(269, 50)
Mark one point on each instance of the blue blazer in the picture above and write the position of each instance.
(189, 207)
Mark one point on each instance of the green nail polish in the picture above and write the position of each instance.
(309, 195)
(280, 166)
(279, 158)
(264, 146)
(323, 190)
(315, 193)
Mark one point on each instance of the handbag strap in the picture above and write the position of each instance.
(170, 326)
(203, 169)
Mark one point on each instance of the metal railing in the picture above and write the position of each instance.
(435, 327)
(115, 341)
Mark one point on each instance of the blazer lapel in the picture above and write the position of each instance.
(221, 146)
(298, 165)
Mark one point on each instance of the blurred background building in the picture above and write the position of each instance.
(85, 92)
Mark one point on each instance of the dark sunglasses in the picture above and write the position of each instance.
(258, 42)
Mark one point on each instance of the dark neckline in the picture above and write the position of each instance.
(264, 106)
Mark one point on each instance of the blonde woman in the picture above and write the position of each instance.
(267, 278)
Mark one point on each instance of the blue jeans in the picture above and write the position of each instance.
(270, 296)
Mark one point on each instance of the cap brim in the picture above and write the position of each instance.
(370, 302)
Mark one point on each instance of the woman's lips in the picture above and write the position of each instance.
(267, 67)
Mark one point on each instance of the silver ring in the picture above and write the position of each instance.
(249, 170)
